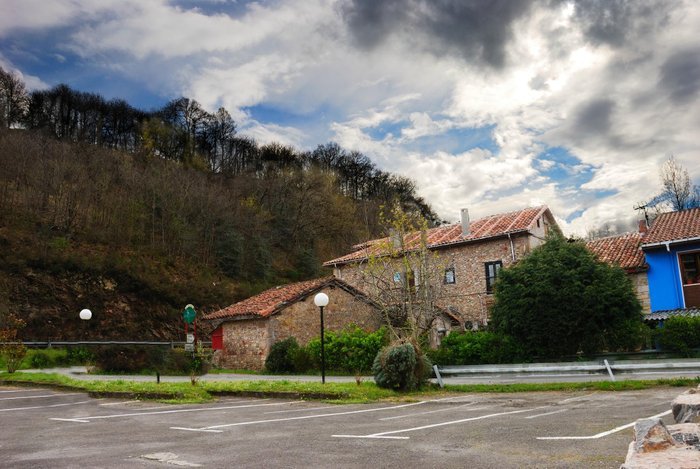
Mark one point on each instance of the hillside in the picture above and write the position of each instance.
(134, 237)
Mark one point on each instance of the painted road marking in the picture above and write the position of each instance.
(37, 397)
(548, 413)
(301, 410)
(174, 411)
(602, 434)
(117, 403)
(434, 411)
(441, 424)
(44, 406)
(303, 417)
(572, 399)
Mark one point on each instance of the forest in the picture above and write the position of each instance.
(140, 212)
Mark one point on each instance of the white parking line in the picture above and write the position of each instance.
(602, 434)
(117, 403)
(572, 399)
(547, 413)
(441, 424)
(174, 411)
(37, 397)
(44, 406)
(303, 417)
(434, 411)
(300, 410)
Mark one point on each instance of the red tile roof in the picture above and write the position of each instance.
(481, 229)
(622, 250)
(674, 227)
(266, 303)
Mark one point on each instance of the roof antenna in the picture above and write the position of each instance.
(643, 206)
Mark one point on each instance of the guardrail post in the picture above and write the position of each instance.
(607, 365)
(437, 375)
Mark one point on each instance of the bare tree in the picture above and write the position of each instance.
(678, 189)
(13, 98)
(404, 277)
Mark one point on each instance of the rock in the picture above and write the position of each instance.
(686, 408)
(652, 435)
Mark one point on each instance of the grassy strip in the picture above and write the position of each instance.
(335, 392)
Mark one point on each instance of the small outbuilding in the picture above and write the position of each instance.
(245, 331)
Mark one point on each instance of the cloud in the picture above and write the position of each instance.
(466, 97)
(476, 30)
(680, 75)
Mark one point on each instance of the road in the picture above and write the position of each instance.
(46, 428)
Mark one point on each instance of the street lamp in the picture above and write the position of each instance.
(321, 300)
(85, 315)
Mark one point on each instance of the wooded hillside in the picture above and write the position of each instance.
(134, 214)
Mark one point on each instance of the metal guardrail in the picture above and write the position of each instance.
(591, 367)
(72, 343)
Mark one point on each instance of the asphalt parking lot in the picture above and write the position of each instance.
(47, 428)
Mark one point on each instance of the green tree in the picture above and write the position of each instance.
(560, 300)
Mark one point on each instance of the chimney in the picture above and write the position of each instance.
(643, 228)
(396, 241)
(465, 221)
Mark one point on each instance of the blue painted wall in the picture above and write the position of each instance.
(665, 287)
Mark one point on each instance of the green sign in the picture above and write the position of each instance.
(188, 314)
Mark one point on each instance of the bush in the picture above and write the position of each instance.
(679, 334)
(560, 300)
(350, 351)
(281, 356)
(399, 367)
(47, 358)
(476, 348)
(129, 358)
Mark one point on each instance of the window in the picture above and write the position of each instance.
(690, 268)
(450, 276)
(492, 269)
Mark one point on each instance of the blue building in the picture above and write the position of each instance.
(672, 252)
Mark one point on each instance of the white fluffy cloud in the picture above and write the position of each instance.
(615, 87)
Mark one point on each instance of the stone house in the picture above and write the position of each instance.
(624, 251)
(245, 331)
(470, 254)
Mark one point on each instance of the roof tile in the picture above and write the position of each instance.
(674, 226)
(483, 228)
(622, 250)
(266, 303)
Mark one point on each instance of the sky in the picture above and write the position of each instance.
(491, 105)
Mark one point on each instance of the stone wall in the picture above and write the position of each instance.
(247, 342)
(640, 283)
(467, 296)
(302, 321)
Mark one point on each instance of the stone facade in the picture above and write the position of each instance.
(247, 342)
(640, 283)
(467, 297)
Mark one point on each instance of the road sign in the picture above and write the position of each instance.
(189, 347)
(188, 314)
(190, 338)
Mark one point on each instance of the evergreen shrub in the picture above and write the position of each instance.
(399, 367)
(281, 356)
(476, 348)
(679, 334)
(351, 350)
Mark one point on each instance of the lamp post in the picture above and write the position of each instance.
(85, 315)
(321, 300)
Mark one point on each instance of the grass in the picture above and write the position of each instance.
(341, 393)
